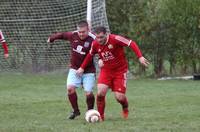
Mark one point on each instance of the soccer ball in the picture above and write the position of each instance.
(92, 116)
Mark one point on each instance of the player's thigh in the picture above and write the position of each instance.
(105, 78)
(73, 79)
(120, 83)
(88, 81)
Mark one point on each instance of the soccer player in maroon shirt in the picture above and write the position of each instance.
(80, 42)
(113, 73)
(4, 45)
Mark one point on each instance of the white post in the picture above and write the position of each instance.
(89, 13)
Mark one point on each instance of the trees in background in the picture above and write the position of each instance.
(168, 32)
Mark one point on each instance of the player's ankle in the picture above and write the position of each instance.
(125, 110)
(102, 118)
(77, 111)
(74, 114)
(125, 113)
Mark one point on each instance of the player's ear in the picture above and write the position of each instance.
(106, 34)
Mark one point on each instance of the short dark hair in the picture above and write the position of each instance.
(82, 23)
(100, 29)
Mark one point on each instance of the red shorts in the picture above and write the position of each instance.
(116, 80)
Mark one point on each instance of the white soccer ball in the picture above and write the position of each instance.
(92, 116)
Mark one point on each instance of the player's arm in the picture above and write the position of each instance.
(4, 45)
(59, 36)
(130, 43)
(87, 60)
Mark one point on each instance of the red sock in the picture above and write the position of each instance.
(101, 105)
(73, 100)
(124, 103)
(90, 101)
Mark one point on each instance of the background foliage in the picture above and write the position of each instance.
(168, 32)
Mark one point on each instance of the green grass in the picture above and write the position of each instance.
(37, 103)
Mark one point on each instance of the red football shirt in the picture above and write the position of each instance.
(112, 52)
(79, 48)
(4, 44)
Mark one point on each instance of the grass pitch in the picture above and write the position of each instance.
(37, 103)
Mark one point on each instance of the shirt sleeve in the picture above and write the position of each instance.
(4, 44)
(128, 43)
(5, 47)
(89, 56)
(61, 36)
(93, 49)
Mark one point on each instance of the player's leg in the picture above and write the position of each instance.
(88, 85)
(122, 99)
(101, 93)
(73, 82)
(119, 88)
(104, 81)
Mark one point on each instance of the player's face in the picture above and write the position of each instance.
(83, 32)
(101, 38)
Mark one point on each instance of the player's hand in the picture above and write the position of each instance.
(100, 63)
(144, 61)
(48, 40)
(6, 56)
(79, 72)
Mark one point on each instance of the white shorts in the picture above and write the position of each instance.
(87, 80)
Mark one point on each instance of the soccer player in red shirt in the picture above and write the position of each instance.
(4, 45)
(80, 42)
(113, 73)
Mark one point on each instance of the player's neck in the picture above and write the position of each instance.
(107, 38)
(82, 39)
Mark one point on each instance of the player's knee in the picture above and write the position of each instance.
(119, 96)
(70, 89)
(89, 93)
(101, 91)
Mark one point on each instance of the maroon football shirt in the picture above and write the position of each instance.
(79, 48)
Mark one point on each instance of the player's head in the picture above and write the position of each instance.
(83, 29)
(101, 34)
